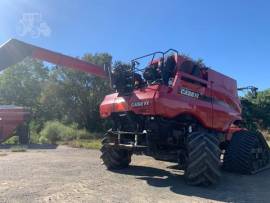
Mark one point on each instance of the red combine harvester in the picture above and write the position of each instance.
(174, 109)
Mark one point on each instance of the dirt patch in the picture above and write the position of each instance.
(76, 175)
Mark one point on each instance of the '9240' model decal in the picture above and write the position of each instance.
(189, 93)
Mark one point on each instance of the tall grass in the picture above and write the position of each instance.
(87, 144)
(55, 131)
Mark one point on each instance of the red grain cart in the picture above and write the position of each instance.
(13, 118)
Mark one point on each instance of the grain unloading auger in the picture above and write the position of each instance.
(174, 109)
(14, 51)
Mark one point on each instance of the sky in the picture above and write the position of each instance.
(232, 36)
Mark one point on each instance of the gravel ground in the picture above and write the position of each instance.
(76, 175)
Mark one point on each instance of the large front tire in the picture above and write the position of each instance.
(114, 158)
(203, 159)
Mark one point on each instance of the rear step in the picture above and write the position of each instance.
(128, 140)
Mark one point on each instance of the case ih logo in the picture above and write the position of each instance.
(140, 103)
(189, 93)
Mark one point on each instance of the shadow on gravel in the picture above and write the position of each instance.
(231, 188)
(29, 146)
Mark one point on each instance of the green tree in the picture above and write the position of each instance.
(262, 110)
(256, 111)
(22, 84)
(76, 96)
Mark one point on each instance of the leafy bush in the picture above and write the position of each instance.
(84, 134)
(12, 140)
(34, 136)
(54, 131)
(68, 133)
(43, 140)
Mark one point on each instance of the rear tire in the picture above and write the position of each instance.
(203, 159)
(114, 158)
(246, 153)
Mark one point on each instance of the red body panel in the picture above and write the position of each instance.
(10, 118)
(145, 105)
(217, 107)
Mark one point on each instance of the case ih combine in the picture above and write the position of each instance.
(174, 109)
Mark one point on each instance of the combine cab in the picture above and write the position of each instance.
(173, 109)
